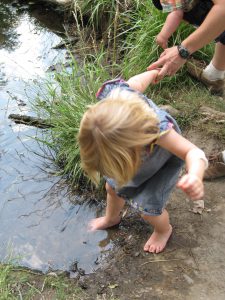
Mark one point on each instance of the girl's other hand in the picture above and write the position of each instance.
(192, 185)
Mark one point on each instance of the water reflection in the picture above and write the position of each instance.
(8, 24)
(39, 219)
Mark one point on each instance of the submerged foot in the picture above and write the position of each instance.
(158, 241)
(102, 223)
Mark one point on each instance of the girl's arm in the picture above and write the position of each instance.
(141, 81)
(195, 159)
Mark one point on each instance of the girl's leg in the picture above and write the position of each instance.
(112, 216)
(162, 231)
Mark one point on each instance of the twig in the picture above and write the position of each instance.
(43, 285)
(20, 295)
(194, 259)
(29, 120)
(26, 270)
(161, 260)
(33, 287)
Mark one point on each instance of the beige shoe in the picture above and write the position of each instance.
(216, 167)
(195, 69)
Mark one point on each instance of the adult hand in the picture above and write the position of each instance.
(162, 41)
(169, 62)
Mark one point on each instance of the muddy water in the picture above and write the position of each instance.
(39, 224)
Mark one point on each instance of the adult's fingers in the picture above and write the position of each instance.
(154, 65)
(162, 73)
(162, 54)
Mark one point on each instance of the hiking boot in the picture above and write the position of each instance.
(216, 167)
(195, 69)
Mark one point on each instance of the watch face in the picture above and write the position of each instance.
(183, 52)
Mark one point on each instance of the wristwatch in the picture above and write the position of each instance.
(183, 52)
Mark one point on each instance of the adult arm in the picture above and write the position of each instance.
(171, 24)
(196, 162)
(213, 25)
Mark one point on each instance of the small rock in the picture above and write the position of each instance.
(74, 266)
(83, 283)
(81, 271)
(74, 275)
(198, 207)
(188, 279)
(101, 289)
(170, 109)
(53, 274)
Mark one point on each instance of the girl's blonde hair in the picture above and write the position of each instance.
(113, 133)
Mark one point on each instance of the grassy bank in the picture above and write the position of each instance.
(24, 284)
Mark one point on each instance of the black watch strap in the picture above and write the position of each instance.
(183, 52)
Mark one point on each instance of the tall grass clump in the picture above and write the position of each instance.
(8, 287)
(6, 291)
(63, 106)
(108, 23)
(97, 12)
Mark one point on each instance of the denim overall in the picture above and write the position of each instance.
(149, 189)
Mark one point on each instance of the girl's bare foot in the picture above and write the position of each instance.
(102, 223)
(158, 241)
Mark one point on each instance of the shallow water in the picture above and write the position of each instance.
(39, 223)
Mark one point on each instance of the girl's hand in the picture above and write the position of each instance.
(192, 185)
(154, 76)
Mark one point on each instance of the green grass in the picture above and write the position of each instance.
(64, 107)
(17, 283)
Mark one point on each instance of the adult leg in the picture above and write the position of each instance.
(219, 57)
(112, 216)
(213, 75)
(162, 231)
(216, 167)
(216, 69)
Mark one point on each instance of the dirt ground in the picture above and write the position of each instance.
(191, 267)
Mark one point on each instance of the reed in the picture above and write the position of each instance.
(63, 104)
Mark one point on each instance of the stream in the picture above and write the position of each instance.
(41, 227)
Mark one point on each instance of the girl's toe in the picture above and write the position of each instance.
(152, 249)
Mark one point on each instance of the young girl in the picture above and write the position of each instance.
(138, 148)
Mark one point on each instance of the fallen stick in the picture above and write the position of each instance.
(31, 121)
(161, 260)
